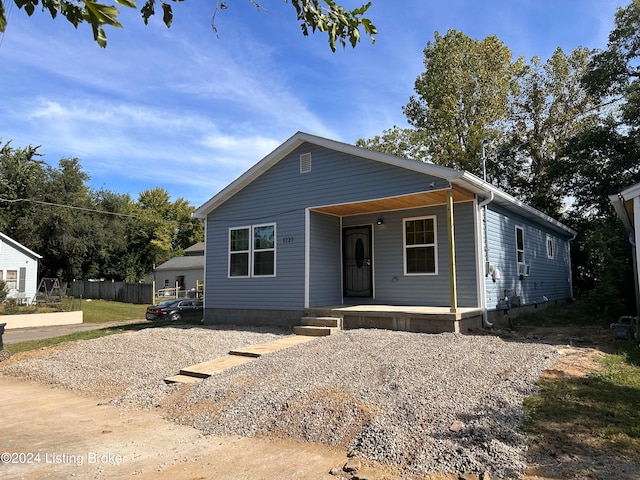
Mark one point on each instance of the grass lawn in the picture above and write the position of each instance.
(100, 311)
(597, 412)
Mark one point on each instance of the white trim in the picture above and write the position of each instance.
(636, 220)
(248, 252)
(371, 254)
(435, 245)
(252, 250)
(481, 261)
(524, 258)
(19, 246)
(307, 256)
(341, 261)
(551, 247)
(466, 180)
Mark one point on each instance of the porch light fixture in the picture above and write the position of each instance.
(380, 221)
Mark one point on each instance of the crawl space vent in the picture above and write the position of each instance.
(305, 163)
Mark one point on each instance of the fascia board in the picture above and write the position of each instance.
(19, 246)
(294, 142)
(478, 186)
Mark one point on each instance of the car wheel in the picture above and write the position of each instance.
(175, 317)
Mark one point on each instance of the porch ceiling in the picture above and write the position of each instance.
(414, 200)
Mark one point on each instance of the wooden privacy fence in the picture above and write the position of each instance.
(141, 293)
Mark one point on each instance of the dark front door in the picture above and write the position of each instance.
(358, 265)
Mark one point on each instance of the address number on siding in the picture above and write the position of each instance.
(287, 239)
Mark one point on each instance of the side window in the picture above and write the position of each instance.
(520, 244)
(550, 249)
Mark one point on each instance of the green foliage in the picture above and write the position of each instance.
(85, 234)
(461, 97)
(327, 16)
(3, 291)
(563, 135)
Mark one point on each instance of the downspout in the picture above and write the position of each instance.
(483, 205)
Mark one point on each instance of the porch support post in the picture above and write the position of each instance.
(453, 289)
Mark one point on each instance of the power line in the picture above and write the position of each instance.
(85, 209)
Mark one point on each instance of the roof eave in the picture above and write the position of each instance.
(294, 142)
(481, 187)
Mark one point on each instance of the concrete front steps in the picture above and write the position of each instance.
(318, 325)
(200, 371)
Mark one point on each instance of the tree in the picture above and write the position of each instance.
(166, 228)
(327, 16)
(461, 98)
(85, 234)
(22, 175)
(550, 105)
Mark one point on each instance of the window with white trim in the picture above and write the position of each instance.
(420, 246)
(520, 244)
(252, 251)
(12, 280)
(550, 249)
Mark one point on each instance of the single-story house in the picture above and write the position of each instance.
(18, 269)
(187, 272)
(627, 206)
(319, 225)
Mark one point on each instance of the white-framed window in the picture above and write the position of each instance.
(12, 279)
(420, 246)
(550, 247)
(520, 244)
(252, 251)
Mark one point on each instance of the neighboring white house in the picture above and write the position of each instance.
(187, 271)
(18, 269)
(627, 205)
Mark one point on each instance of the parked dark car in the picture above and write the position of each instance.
(175, 310)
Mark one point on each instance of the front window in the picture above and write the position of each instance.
(239, 252)
(420, 246)
(252, 251)
(264, 250)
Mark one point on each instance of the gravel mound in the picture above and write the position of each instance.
(429, 403)
(108, 366)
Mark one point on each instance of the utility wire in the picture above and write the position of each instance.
(73, 207)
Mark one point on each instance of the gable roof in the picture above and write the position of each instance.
(623, 204)
(195, 249)
(463, 179)
(18, 246)
(182, 263)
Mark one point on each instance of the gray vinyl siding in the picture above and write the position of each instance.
(392, 286)
(325, 283)
(549, 277)
(280, 196)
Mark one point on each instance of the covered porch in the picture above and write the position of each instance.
(418, 319)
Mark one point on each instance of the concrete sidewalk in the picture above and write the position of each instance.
(16, 335)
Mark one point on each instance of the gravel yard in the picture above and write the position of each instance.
(430, 403)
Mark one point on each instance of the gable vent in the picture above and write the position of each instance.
(305, 163)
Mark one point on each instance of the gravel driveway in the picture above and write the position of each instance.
(430, 403)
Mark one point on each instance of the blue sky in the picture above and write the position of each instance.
(189, 111)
